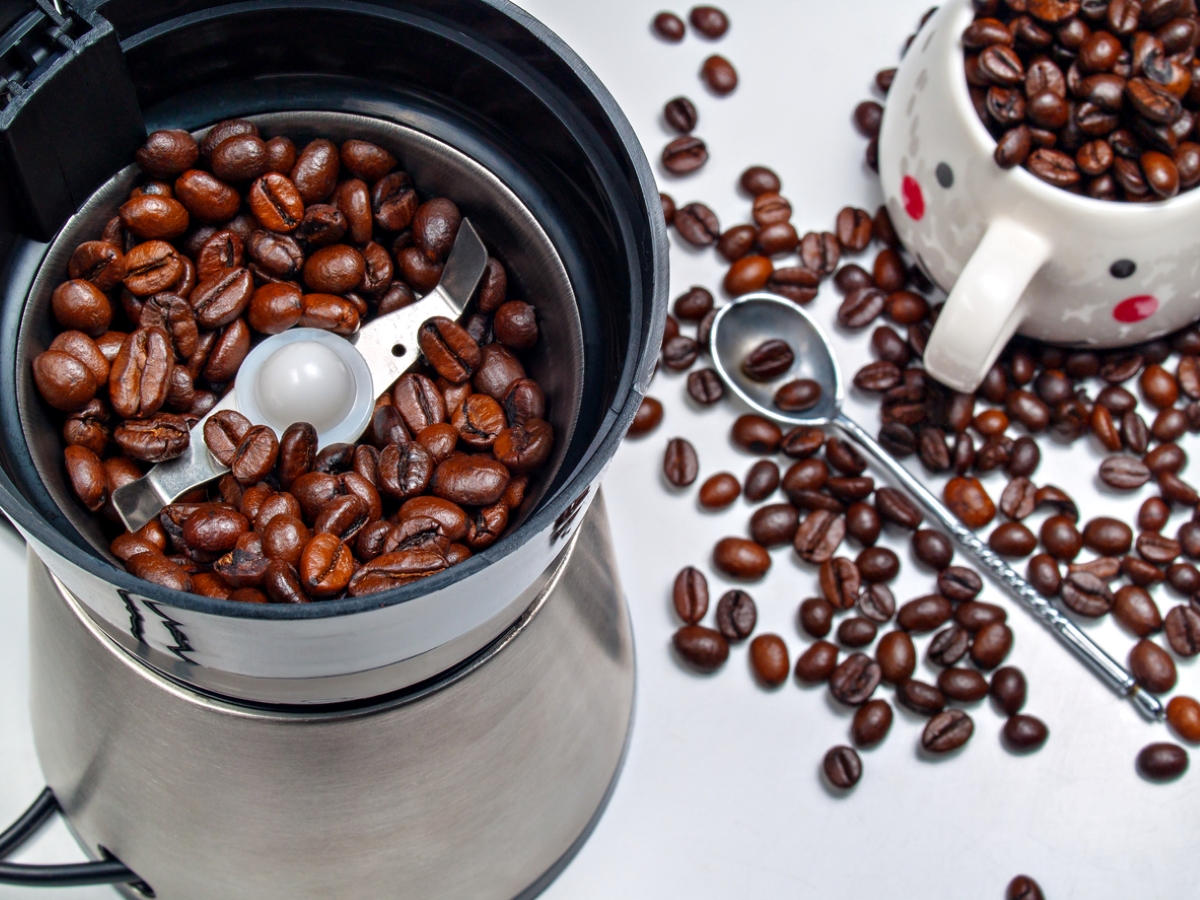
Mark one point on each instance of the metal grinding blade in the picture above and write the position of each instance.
(387, 344)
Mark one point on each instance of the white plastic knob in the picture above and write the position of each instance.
(307, 375)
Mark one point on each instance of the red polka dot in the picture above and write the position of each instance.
(914, 200)
(1135, 309)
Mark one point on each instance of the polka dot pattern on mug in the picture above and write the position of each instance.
(914, 200)
(1135, 309)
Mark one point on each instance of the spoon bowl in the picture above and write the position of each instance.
(741, 326)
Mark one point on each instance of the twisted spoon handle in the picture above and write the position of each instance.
(1067, 632)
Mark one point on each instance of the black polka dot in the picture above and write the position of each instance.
(1123, 268)
(945, 175)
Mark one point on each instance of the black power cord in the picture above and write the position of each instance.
(104, 871)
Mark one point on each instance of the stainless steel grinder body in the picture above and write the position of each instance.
(478, 786)
(453, 738)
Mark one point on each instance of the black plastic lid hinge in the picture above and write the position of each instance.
(69, 114)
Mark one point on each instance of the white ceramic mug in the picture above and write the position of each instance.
(1015, 253)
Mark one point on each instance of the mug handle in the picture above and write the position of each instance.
(984, 307)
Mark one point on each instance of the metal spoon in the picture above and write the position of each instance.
(744, 324)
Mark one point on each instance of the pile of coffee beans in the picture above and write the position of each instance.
(688, 153)
(236, 237)
(1098, 97)
(1034, 392)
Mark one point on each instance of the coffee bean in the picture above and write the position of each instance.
(1184, 577)
(816, 664)
(470, 480)
(223, 432)
(756, 434)
(1124, 473)
(947, 731)
(1168, 457)
(1157, 549)
(896, 656)
(1061, 538)
(798, 395)
(680, 464)
(769, 659)
(736, 615)
(842, 767)
(1012, 539)
(1152, 666)
(1182, 626)
(741, 558)
(1023, 888)
(877, 603)
(680, 114)
(1183, 715)
(840, 582)
(719, 75)
(924, 614)
(761, 480)
(893, 506)
(919, 697)
(1107, 536)
(669, 27)
(819, 535)
(719, 491)
(854, 229)
(959, 584)
(973, 615)
(949, 646)
(863, 523)
(648, 416)
(768, 360)
(697, 224)
(962, 685)
(703, 648)
(878, 376)
(857, 631)
(871, 723)
(1025, 734)
(710, 21)
(969, 501)
(1086, 594)
(861, 307)
(774, 525)
(932, 548)
(855, 679)
(684, 155)
(816, 616)
(1161, 762)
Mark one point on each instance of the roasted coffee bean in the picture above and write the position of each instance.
(893, 506)
(1019, 499)
(962, 685)
(1012, 539)
(756, 435)
(768, 360)
(1025, 734)
(949, 645)
(1086, 594)
(947, 731)
(680, 352)
(64, 381)
(680, 464)
(959, 584)
(919, 697)
(969, 501)
(1152, 666)
(156, 439)
(769, 660)
(861, 307)
(703, 648)
(871, 723)
(1183, 715)
(816, 616)
(223, 432)
(774, 525)
(798, 395)
(1061, 538)
(1157, 549)
(690, 595)
(924, 614)
(736, 615)
(932, 548)
(87, 476)
(1124, 473)
(158, 569)
(326, 566)
(759, 180)
(680, 114)
(819, 535)
(649, 415)
(854, 229)
(817, 663)
(840, 582)
(1107, 536)
(255, 455)
(896, 656)
(449, 349)
(991, 645)
(842, 768)
(697, 224)
(1168, 457)
(1043, 573)
(1182, 627)
(719, 491)
(878, 376)
(863, 523)
(741, 558)
(855, 679)
(167, 153)
(802, 442)
(470, 480)
(737, 242)
(206, 198)
(1162, 762)
(669, 27)
(932, 448)
(761, 480)
(974, 615)
(684, 155)
(1184, 577)
(297, 452)
(857, 631)
(719, 75)
(877, 603)
(877, 564)
(710, 21)
(693, 304)
(405, 470)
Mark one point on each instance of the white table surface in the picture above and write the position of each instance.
(720, 795)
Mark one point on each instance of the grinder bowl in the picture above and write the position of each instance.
(506, 121)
